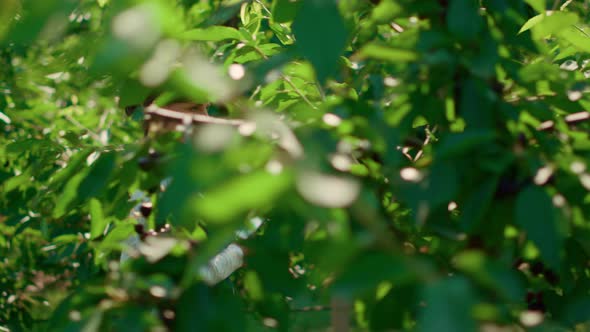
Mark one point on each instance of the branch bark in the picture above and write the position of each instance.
(570, 119)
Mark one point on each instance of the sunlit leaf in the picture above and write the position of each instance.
(240, 195)
(386, 11)
(531, 23)
(214, 33)
(389, 54)
(69, 195)
(554, 23)
(98, 222)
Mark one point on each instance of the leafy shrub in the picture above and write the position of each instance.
(411, 165)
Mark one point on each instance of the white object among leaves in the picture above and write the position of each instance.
(222, 265)
(328, 190)
(217, 269)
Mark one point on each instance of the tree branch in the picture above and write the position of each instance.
(570, 119)
(184, 117)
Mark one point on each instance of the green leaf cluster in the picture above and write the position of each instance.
(385, 165)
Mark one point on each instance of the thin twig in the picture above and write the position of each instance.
(264, 7)
(297, 91)
(429, 134)
(565, 4)
(582, 31)
(396, 27)
(569, 119)
(103, 119)
(314, 308)
(307, 309)
(198, 118)
(258, 89)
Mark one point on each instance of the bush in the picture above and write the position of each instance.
(368, 165)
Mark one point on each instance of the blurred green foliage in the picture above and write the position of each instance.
(418, 165)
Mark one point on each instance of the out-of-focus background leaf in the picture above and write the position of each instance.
(388, 165)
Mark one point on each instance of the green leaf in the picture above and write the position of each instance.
(554, 23)
(66, 239)
(98, 223)
(8, 8)
(115, 237)
(449, 303)
(385, 53)
(442, 184)
(15, 182)
(240, 195)
(69, 195)
(389, 312)
(218, 309)
(538, 71)
(474, 208)
(284, 11)
(536, 215)
(72, 168)
(253, 285)
(94, 322)
(34, 17)
(531, 23)
(457, 144)
(490, 275)
(577, 311)
(386, 11)
(132, 93)
(98, 176)
(463, 19)
(213, 33)
(321, 35)
(576, 38)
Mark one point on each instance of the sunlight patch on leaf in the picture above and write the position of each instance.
(98, 222)
(213, 33)
(155, 248)
(240, 195)
(386, 53)
(328, 190)
(157, 69)
(137, 26)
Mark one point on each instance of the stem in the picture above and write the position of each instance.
(341, 311)
(154, 110)
(297, 91)
(582, 31)
(565, 4)
(570, 119)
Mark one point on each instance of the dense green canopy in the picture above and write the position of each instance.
(381, 165)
